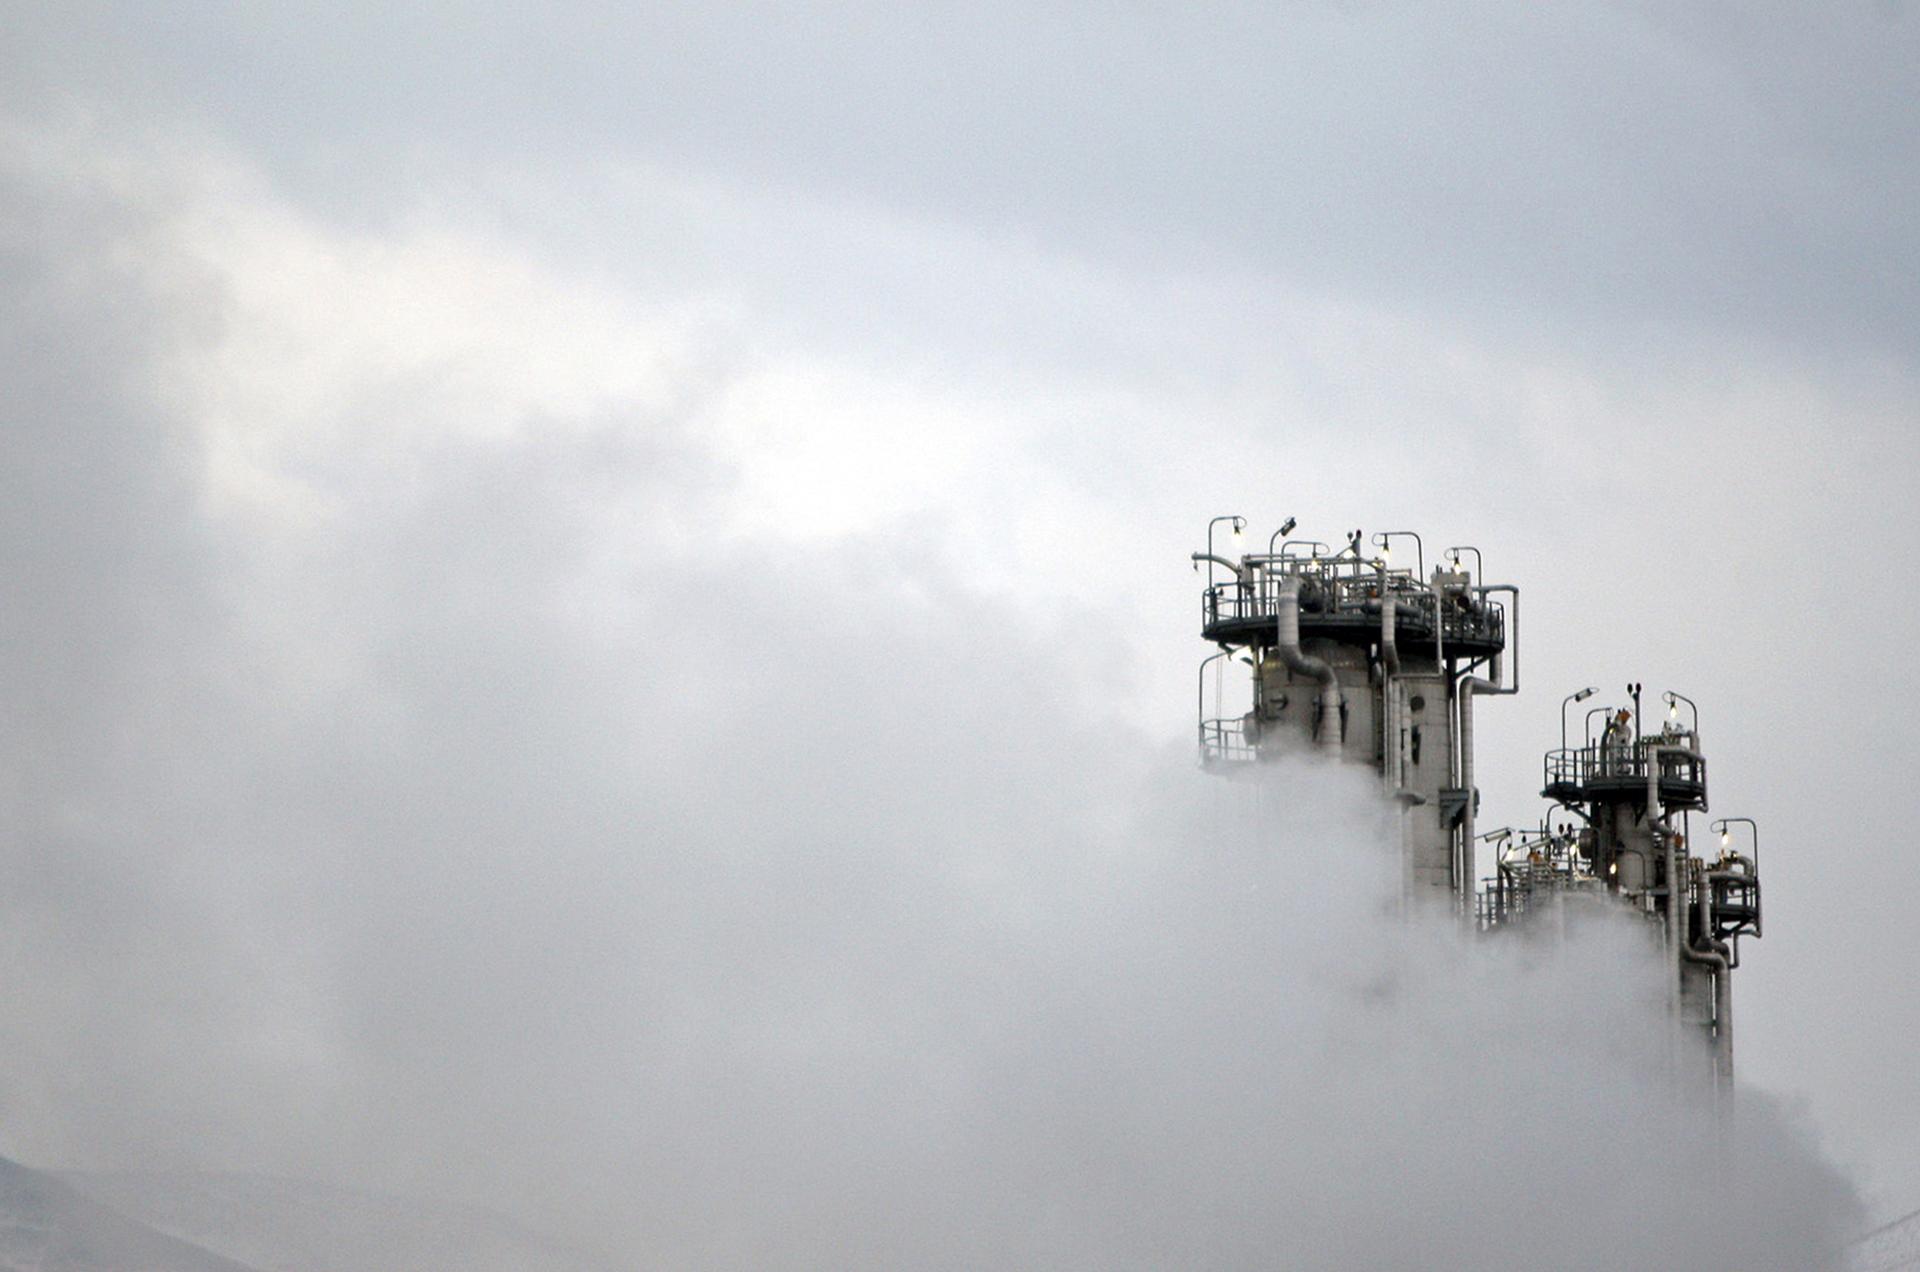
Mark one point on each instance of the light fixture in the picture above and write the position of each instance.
(1286, 527)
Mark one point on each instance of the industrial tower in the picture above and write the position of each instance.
(1355, 657)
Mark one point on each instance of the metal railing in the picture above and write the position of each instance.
(1354, 596)
(1619, 762)
(1225, 741)
(1525, 866)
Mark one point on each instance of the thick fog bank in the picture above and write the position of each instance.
(465, 803)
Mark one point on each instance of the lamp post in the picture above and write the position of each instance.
(1384, 540)
(1568, 701)
(1479, 570)
(1726, 836)
(1239, 524)
(1592, 712)
(1673, 709)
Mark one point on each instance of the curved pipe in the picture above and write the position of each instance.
(1389, 652)
(1464, 690)
(1239, 573)
(1287, 645)
(1658, 821)
(1715, 957)
(1513, 637)
(1467, 687)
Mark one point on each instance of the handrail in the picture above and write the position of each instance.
(1579, 766)
(1356, 597)
(1224, 738)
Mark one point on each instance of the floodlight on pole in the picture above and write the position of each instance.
(1239, 523)
(1579, 696)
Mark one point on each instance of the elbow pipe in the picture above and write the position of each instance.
(1715, 957)
(1513, 637)
(1287, 645)
(1468, 686)
(1239, 572)
(1389, 651)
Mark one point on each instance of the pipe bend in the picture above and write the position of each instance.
(1242, 574)
(1714, 958)
(1513, 631)
(1389, 617)
(1287, 645)
(1287, 637)
(1464, 690)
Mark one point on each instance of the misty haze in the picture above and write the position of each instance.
(599, 640)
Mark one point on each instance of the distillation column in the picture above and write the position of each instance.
(1356, 660)
(1629, 790)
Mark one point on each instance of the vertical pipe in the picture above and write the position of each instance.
(1655, 827)
(1468, 687)
(1678, 950)
(1287, 645)
(1722, 989)
(1719, 958)
(1389, 686)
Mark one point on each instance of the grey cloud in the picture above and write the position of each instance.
(811, 910)
(1609, 173)
(714, 899)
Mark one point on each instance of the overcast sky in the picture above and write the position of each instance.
(498, 503)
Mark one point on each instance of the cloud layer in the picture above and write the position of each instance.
(431, 765)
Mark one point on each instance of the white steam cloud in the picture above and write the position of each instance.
(443, 814)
